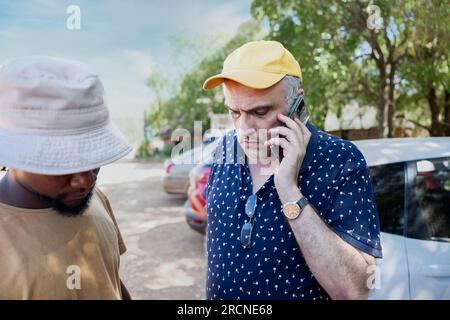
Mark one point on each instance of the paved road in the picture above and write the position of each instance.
(165, 258)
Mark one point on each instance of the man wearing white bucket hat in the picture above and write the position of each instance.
(58, 235)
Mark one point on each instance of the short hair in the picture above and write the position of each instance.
(292, 85)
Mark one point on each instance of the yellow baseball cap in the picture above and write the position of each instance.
(258, 65)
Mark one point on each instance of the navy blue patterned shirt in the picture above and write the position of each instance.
(335, 180)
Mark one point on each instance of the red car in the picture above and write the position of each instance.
(194, 207)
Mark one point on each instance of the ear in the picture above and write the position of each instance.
(301, 91)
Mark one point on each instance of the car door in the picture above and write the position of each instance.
(389, 185)
(428, 241)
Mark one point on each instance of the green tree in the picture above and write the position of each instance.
(426, 69)
(188, 102)
(353, 49)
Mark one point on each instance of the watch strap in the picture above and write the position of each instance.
(302, 203)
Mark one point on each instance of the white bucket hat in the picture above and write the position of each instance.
(54, 119)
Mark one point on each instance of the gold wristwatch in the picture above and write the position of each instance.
(292, 210)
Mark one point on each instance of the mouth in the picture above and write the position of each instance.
(248, 140)
(76, 197)
(252, 143)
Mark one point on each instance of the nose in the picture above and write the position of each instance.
(84, 180)
(245, 123)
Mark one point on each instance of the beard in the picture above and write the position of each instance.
(58, 205)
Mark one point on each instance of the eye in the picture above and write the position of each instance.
(261, 112)
(235, 114)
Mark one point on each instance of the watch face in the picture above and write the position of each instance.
(291, 211)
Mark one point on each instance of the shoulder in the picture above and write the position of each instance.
(226, 149)
(103, 198)
(105, 202)
(340, 150)
(225, 157)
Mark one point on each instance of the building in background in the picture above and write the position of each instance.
(360, 122)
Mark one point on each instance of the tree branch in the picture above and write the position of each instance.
(361, 56)
(402, 43)
(419, 125)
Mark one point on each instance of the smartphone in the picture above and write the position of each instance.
(299, 110)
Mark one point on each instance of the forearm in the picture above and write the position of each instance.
(338, 267)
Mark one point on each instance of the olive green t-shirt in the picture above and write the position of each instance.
(44, 255)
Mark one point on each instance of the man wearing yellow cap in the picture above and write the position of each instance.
(300, 223)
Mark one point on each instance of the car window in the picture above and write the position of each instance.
(432, 196)
(388, 182)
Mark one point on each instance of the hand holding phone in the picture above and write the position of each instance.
(298, 109)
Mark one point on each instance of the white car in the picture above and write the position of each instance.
(175, 182)
(411, 182)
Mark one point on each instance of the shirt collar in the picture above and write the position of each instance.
(311, 148)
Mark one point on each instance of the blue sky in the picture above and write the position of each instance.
(124, 41)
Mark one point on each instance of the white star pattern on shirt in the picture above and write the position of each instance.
(335, 181)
